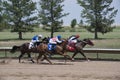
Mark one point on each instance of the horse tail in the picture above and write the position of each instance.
(14, 48)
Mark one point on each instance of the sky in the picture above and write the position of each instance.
(71, 7)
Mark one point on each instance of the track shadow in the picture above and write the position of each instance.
(56, 63)
(95, 59)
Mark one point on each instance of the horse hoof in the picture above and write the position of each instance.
(73, 59)
(88, 60)
(52, 63)
(23, 62)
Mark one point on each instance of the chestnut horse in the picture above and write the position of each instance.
(60, 49)
(24, 48)
(78, 47)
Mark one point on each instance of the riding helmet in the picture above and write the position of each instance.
(77, 36)
(59, 36)
(40, 36)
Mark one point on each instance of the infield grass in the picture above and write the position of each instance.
(109, 40)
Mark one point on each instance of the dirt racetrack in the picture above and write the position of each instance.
(78, 70)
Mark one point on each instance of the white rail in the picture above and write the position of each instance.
(86, 50)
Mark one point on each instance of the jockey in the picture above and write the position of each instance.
(35, 40)
(73, 39)
(53, 42)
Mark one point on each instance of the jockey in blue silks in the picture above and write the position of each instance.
(34, 41)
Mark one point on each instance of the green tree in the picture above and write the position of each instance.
(0, 11)
(51, 14)
(98, 14)
(81, 23)
(1, 18)
(20, 15)
(73, 24)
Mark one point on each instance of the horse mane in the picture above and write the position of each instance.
(45, 40)
(88, 41)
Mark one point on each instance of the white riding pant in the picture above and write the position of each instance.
(73, 41)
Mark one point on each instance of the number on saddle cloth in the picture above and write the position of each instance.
(31, 45)
(51, 47)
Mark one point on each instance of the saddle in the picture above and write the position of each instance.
(71, 46)
(33, 45)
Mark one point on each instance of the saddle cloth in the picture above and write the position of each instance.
(51, 47)
(71, 46)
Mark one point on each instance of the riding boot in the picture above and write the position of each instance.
(50, 47)
(53, 47)
(34, 45)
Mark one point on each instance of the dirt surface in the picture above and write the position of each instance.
(78, 70)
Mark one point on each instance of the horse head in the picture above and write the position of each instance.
(45, 39)
(64, 42)
(88, 41)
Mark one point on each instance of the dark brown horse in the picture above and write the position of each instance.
(79, 48)
(59, 50)
(24, 48)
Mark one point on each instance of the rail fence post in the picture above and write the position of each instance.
(5, 53)
(97, 56)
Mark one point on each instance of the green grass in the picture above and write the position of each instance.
(7, 35)
(109, 40)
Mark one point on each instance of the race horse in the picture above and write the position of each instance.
(41, 49)
(24, 49)
(78, 48)
(60, 49)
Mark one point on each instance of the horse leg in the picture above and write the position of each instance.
(45, 57)
(66, 56)
(74, 56)
(84, 55)
(21, 55)
(42, 59)
(30, 58)
(39, 56)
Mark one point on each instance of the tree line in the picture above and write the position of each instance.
(23, 15)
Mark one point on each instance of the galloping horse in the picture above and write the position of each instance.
(79, 47)
(60, 49)
(24, 48)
